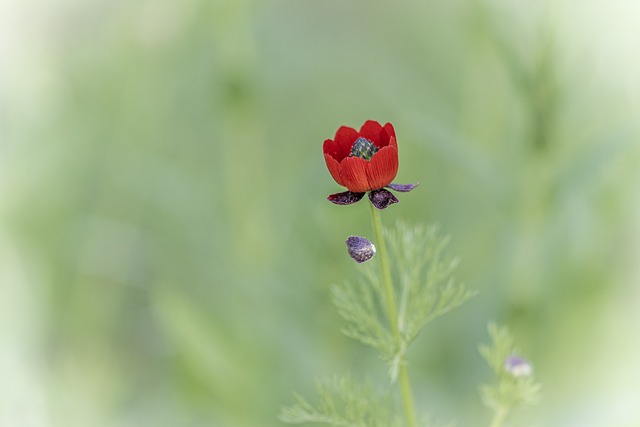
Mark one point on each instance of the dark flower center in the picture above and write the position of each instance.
(363, 148)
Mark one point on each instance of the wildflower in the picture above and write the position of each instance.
(364, 161)
(518, 366)
(360, 249)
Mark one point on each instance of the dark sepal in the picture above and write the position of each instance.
(403, 188)
(382, 198)
(346, 198)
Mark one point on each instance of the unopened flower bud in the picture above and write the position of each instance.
(360, 249)
(518, 366)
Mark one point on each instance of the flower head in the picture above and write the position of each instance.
(360, 249)
(518, 366)
(364, 161)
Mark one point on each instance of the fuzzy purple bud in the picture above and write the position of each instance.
(360, 249)
(518, 366)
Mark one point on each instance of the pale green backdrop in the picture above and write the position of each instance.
(166, 249)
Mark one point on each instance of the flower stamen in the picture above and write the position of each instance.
(363, 148)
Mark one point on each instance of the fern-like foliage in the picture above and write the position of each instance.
(510, 390)
(423, 284)
(360, 306)
(425, 288)
(344, 403)
(425, 275)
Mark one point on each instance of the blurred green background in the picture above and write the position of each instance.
(166, 249)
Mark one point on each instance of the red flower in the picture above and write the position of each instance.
(364, 161)
(357, 173)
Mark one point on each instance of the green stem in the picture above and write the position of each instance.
(499, 416)
(392, 314)
(407, 397)
(385, 270)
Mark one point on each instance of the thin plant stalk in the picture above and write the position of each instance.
(392, 313)
(499, 416)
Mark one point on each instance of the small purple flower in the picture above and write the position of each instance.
(360, 249)
(518, 366)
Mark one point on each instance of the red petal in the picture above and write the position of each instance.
(330, 147)
(386, 134)
(390, 130)
(371, 130)
(353, 172)
(383, 167)
(334, 168)
(344, 139)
